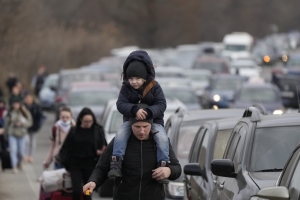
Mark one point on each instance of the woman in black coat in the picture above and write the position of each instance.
(82, 149)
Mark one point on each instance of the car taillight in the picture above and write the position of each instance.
(59, 99)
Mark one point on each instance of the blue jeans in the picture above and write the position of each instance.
(17, 149)
(160, 138)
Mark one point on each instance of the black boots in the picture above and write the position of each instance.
(163, 164)
(115, 167)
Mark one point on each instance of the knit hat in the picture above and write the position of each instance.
(132, 120)
(136, 69)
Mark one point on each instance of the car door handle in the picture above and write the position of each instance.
(215, 182)
(189, 187)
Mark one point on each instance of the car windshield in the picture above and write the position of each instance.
(294, 61)
(227, 84)
(185, 139)
(185, 96)
(273, 146)
(258, 95)
(51, 81)
(214, 67)
(116, 121)
(68, 79)
(235, 47)
(90, 97)
(221, 143)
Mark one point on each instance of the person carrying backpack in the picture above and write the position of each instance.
(38, 119)
(17, 121)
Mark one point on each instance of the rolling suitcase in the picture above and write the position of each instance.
(4, 156)
(44, 195)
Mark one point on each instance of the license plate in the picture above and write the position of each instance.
(287, 94)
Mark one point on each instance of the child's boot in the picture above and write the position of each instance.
(163, 164)
(115, 167)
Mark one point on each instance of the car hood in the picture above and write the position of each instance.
(97, 110)
(264, 179)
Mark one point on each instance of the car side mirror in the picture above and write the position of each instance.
(223, 167)
(192, 169)
(272, 193)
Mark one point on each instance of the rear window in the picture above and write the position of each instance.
(221, 143)
(273, 146)
(215, 67)
(258, 95)
(185, 96)
(185, 140)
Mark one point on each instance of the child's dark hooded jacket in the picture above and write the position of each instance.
(151, 93)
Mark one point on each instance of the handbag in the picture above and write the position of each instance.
(55, 180)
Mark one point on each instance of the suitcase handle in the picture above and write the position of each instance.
(63, 184)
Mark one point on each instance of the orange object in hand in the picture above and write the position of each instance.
(87, 192)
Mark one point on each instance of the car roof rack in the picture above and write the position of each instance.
(254, 114)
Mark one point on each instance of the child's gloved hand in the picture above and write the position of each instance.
(141, 114)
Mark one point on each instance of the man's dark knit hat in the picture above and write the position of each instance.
(132, 120)
(136, 69)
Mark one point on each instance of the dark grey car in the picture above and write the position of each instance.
(288, 184)
(181, 129)
(256, 153)
(210, 143)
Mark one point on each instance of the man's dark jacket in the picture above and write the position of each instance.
(139, 161)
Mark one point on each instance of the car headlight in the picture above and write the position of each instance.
(176, 189)
(216, 98)
(277, 112)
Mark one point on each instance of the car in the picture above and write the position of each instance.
(209, 143)
(293, 64)
(288, 185)
(185, 55)
(289, 87)
(68, 76)
(220, 91)
(215, 64)
(244, 67)
(181, 129)
(264, 53)
(266, 94)
(47, 93)
(184, 94)
(199, 79)
(169, 72)
(90, 94)
(257, 150)
(173, 82)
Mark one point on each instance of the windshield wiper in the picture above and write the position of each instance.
(269, 170)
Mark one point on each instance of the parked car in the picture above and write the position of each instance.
(256, 153)
(293, 64)
(289, 86)
(173, 82)
(169, 72)
(220, 90)
(265, 94)
(215, 64)
(244, 67)
(47, 93)
(209, 143)
(184, 94)
(181, 129)
(68, 76)
(288, 185)
(199, 79)
(90, 94)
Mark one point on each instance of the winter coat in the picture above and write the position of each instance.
(139, 160)
(155, 98)
(37, 117)
(57, 137)
(99, 143)
(14, 117)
